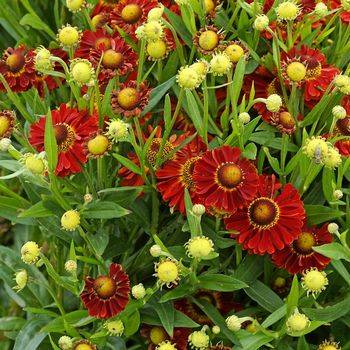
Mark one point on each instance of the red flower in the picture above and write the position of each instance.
(107, 296)
(272, 221)
(177, 174)
(300, 256)
(156, 335)
(118, 57)
(17, 67)
(130, 100)
(171, 5)
(318, 73)
(7, 123)
(130, 14)
(224, 179)
(223, 302)
(72, 128)
(344, 15)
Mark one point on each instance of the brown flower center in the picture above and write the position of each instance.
(131, 13)
(104, 286)
(65, 136)
(15, 62)
(128, 98)
(112, 59)
(103, 43)
(304, 243)
(187, 172)
(5, 124)
(314, 68)
(229, 175)
(263, 212)
(286, 120)
(154, 149)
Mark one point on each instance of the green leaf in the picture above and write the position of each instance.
(50, 143)
(249, 269)
(104, 210)
(275, 316)
(302, 344)
(293, 297)
(318, 214)
(11, 323)
(176, 293)
(194, 113)
(221, 283)
(341, 269)
(132, 324)
(35, 22)
(329, 313)
(333, 250)
(250, 151)
(264, 296)
(166, 313)
(37, 210)
(127, 163)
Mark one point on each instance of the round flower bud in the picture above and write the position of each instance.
(345, 4)
(71, 266)
(182, 2)
(117, 130)
(198, 209)
(297, 322)
(68, 36)
(166, 345)
(234, 52)
(287, 11)
(153, 31)
(114, 328)
(201, 67)
(339, 112)
(188, 78)
(296, 71)
(81, 71)
(314, 281)
(156, 13)
(155, 251)
(21, 278)
(329, 345)
(216, 329)
(42, 60)
(251, 328)
(167, 272)
(138, 291)
(274, 103)
(157, 49)
(5, 143)
(220, 64)
(345, 89)
(199, 340)
(321, 9)
(338, 194)
(261, 22)
(65, 343)
(333, 228)
(34, 164)
(157, 335)
(341, 80)
(332, 158)
(208, 40)
(199, 247)
(75, 5)
(233, 323)
(244, 117)
(88, 198)
(30, 252)
(70, 220)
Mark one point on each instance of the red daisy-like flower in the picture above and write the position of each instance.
(318, 73)
(156, 335)
(130, 100)
(177, 174)
(266, 84)
(17, 67)
(271, 221)
(130, 14)
(300, 256)
(117, 57)
(224, 179)
(344, 15)
(107, 296)
(72, 128)
(223, 302)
